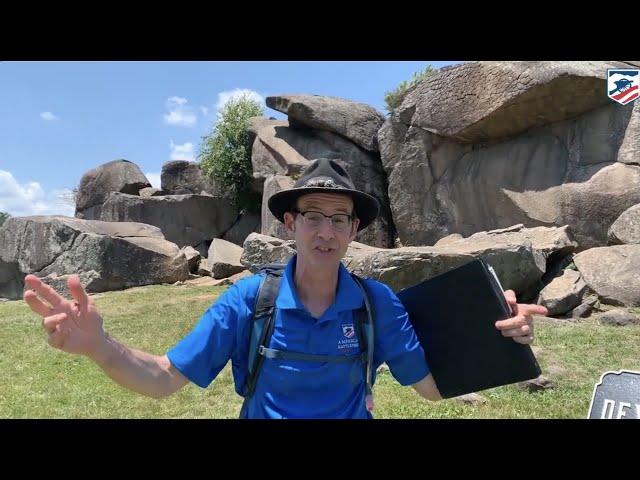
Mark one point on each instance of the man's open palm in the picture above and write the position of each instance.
(74, 327)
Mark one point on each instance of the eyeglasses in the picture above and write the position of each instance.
(340, 221)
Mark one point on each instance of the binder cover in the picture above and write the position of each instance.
(454, 317)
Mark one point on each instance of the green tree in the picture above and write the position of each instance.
(393, 98)
(225, 154)
(3, 217)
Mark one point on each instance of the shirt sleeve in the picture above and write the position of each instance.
(208, 347)
(397, 344)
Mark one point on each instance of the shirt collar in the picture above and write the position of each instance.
(288, 296)
(349, 294)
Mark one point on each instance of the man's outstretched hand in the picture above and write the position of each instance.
(72, 326)
(520, 325)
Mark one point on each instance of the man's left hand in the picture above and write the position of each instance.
(520, 325)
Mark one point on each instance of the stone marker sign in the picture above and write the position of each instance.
(616, 396)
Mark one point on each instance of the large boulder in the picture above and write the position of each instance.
(480, 101)
(97, 184)
(106, 256)
(354, 121)
(626, 229)
(183, 177)
(186, 220)
(613, 272)
(487, 145)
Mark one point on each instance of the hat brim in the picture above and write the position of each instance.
(365, 206)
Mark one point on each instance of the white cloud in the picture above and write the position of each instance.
(48, 116)
(181, 152)
(154, 179)
(29, 198)
(180, 113)
(224, 97)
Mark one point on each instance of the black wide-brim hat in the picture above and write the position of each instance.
(325, 175)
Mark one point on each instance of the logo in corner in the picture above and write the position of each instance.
(623, 84)
(348, 330)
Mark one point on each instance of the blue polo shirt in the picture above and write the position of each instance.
(296, 388)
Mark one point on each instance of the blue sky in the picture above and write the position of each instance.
(61, 119)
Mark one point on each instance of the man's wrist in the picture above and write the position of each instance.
(103, 350)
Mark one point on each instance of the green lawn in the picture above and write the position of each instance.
(40, 382)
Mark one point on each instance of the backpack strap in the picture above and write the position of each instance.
(261, 326)
(357, 360)
(365, 328)
(308, 357)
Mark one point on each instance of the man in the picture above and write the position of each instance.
(323, 212)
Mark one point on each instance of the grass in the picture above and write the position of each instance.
(38, 381)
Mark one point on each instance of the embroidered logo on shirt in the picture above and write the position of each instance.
(351, 341)
(348, 330)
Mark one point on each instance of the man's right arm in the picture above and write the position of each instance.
(77, 328)
(141, 372)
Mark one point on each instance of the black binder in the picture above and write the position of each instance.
(454, 317)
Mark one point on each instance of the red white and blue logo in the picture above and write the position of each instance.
(348, 330)
(623, 84)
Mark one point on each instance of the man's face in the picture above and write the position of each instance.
(320, 243)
